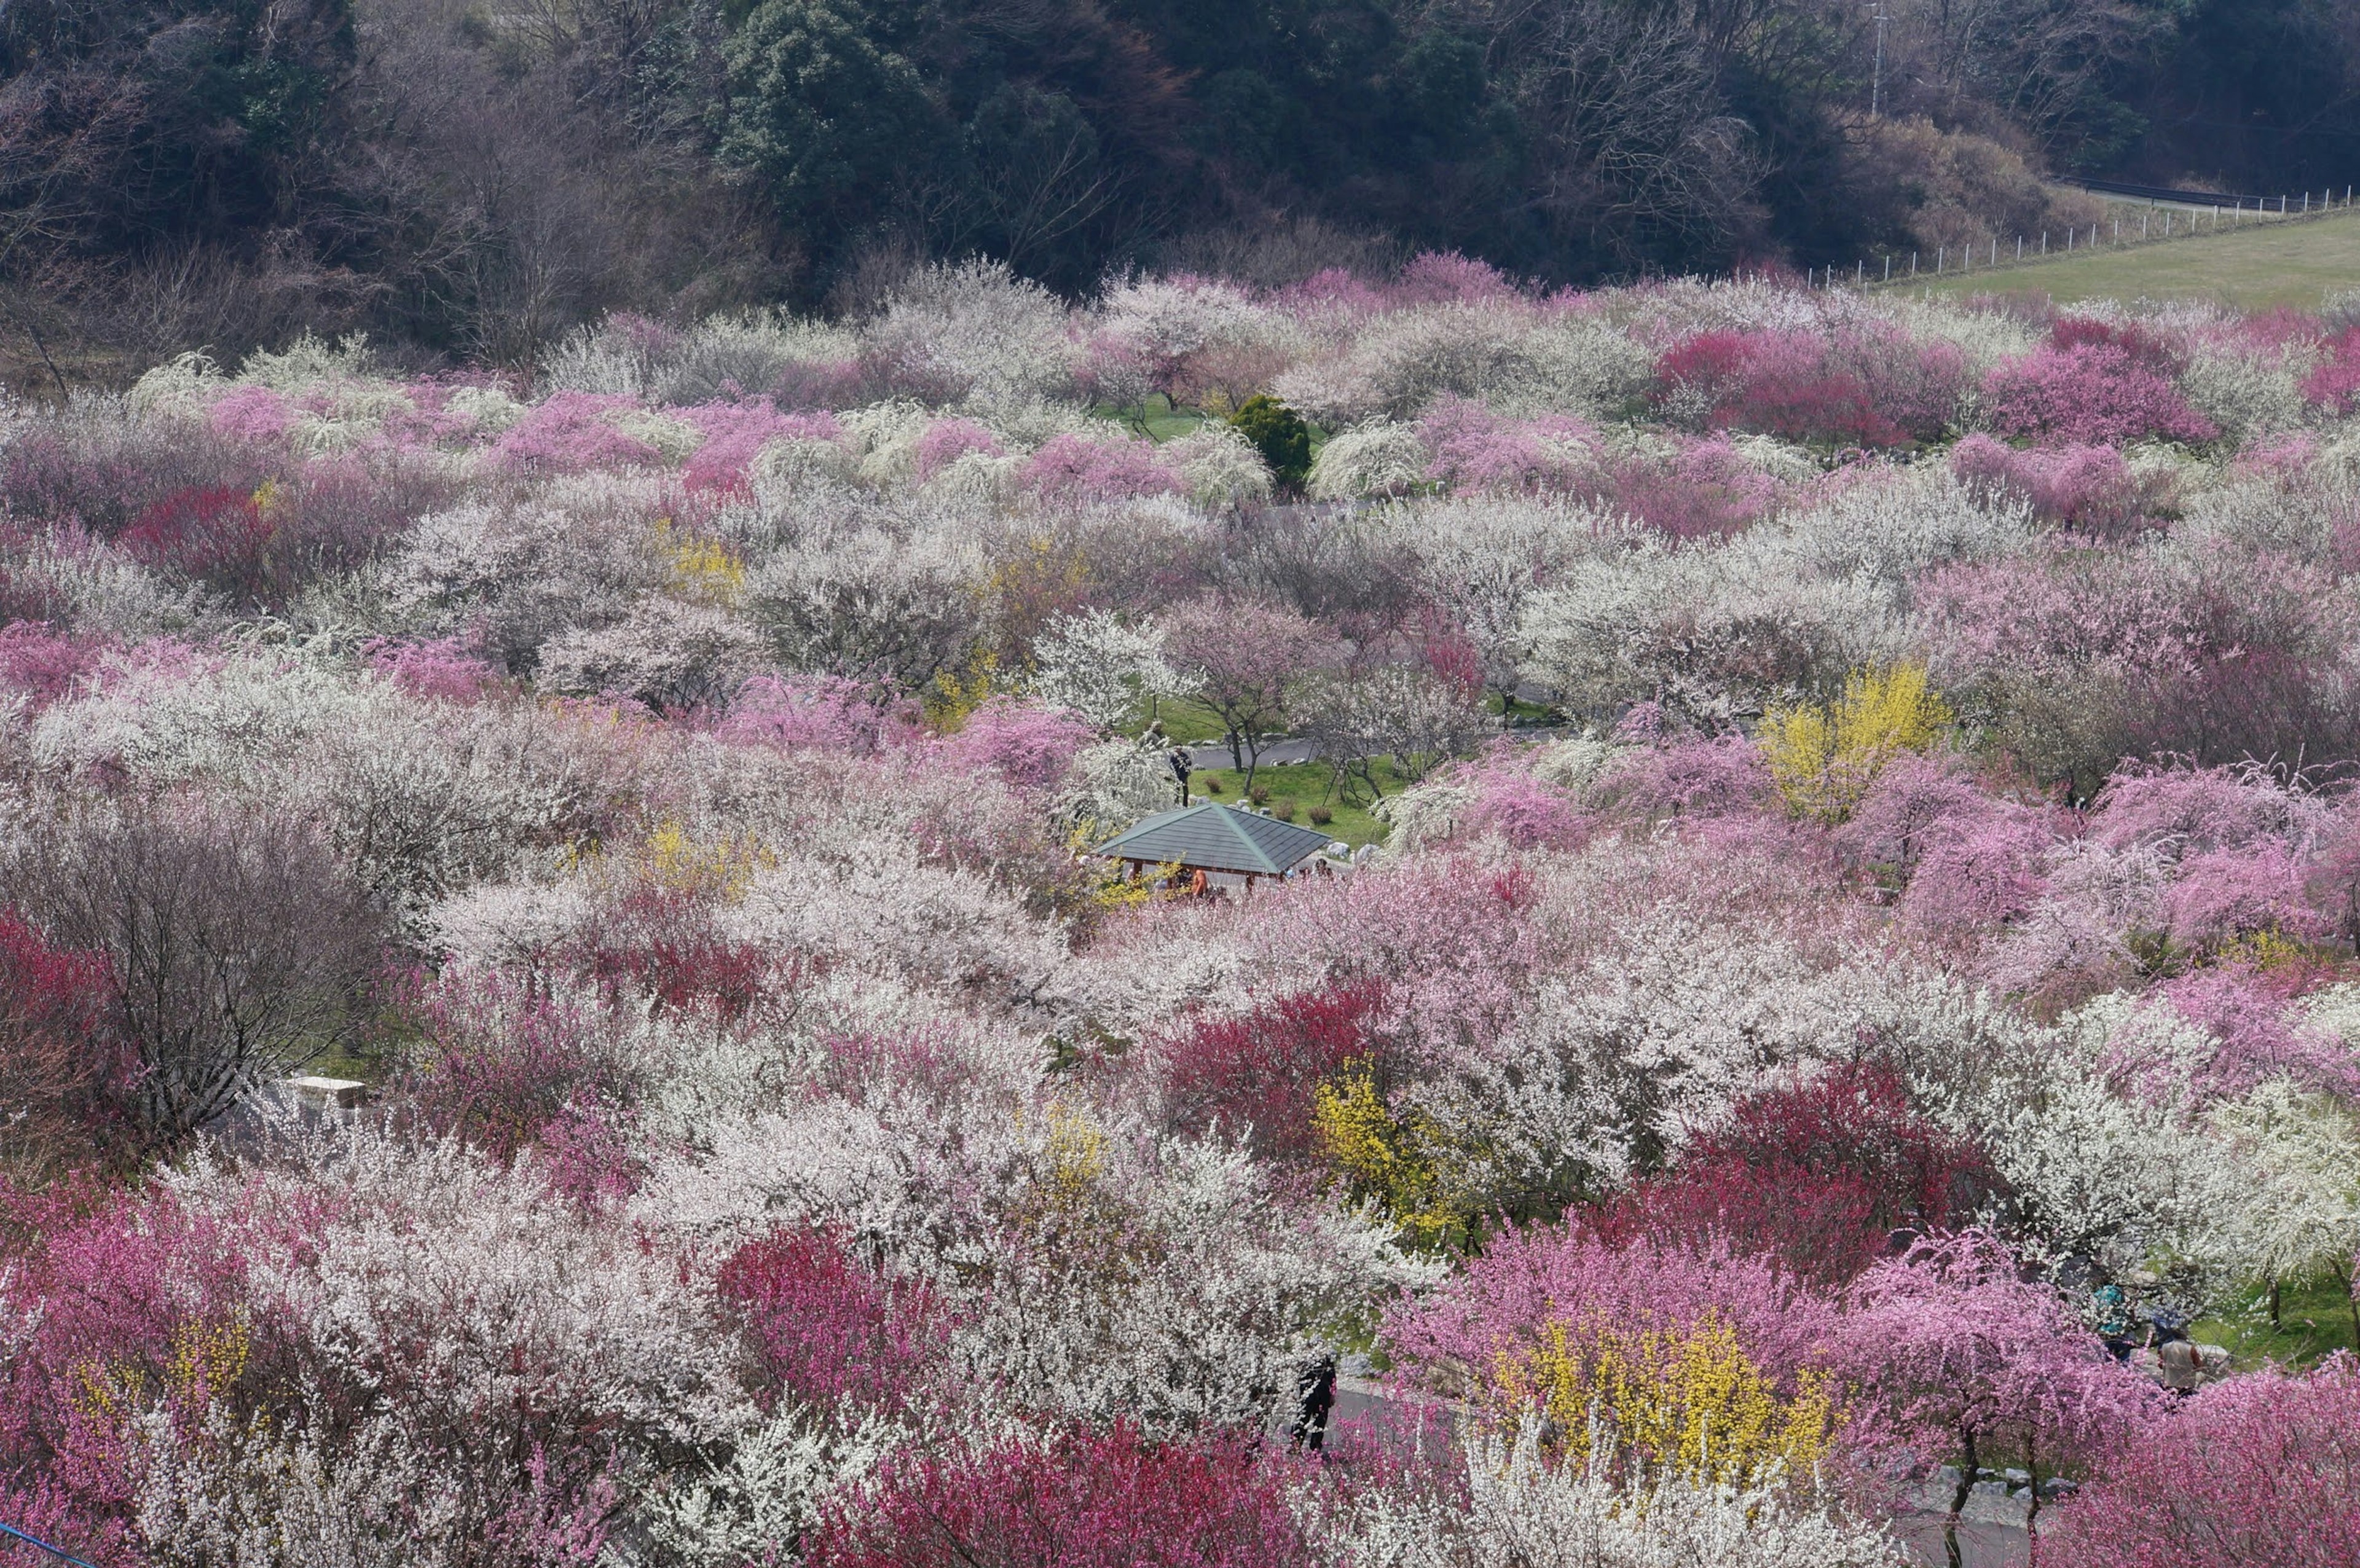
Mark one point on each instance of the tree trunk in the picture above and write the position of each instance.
(2274, 1306)
(2032, 1514)
(1959, 1498)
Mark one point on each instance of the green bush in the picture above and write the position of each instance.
(1278, 434)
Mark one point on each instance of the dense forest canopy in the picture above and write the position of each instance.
(473, 179)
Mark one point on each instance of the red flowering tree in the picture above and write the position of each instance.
(1255, 1072)
(1817, 1175)
(829, 1333)
(62, 1072)
(1078, 1500)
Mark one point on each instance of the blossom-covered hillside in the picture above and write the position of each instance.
(1859, 969)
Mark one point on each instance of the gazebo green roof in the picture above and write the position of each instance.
(1215, 837)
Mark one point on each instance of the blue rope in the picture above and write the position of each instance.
(15, 1534)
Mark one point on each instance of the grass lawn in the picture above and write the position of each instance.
(2313, 1321)
(1187, 721)
(2253, 269)
(1308, 785)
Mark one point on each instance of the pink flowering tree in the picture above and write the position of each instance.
(1029, 746)
(1506, 1302)
(448, 669)
(1513, 803)
(1968, 1356)
(1475, 449)
(1246, 657)
(1073, 470)
(735, 432)
(2087, 488)
(2094, 385)
(821, 712)
(2259, 1471)
(571, 431)
(1851, 388)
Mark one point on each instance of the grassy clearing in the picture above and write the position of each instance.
(2253, 269)
(2315, 1321)
(1307, 784)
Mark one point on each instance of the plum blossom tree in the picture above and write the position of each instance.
(1093, 1499)
(1962, 1349)
(1245, 658)
(1101, 668)
(2257, 1470)
(2302, 1220)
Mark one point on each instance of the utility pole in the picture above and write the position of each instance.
(1877, 77)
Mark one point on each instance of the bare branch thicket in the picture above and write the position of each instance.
(239, 951)
(2034, 59)
(1631, 148)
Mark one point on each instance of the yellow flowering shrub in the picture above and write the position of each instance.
(1384, 1158)
(1825, 756)
(704, 570)
(205, 1360)
(1690, 1402)
(956, 694)
(677, 863)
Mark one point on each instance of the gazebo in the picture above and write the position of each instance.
(1225, 842)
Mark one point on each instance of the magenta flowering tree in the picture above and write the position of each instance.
(1079, 1499)
(1969, 1357)
(1029, 746)
(1254, 1074)
(2261, 1471)
(829, 1333)
(572, 432)
(2333, 383)
(2094, 385)
(445, 668)
(42, 664)
(947, 440)
(1073, 470)
(63, 1073)
(735, 432)
(216, 535)
(1705, 490)
(2088, 488)
(141, 1301)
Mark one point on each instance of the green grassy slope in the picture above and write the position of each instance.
(2256, 269)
